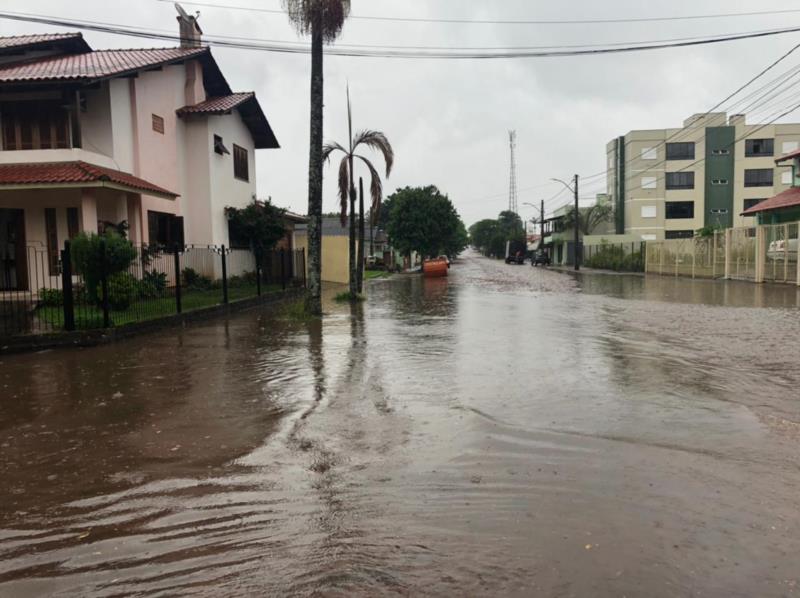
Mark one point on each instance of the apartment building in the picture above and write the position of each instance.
(155, 138)
(667, 183)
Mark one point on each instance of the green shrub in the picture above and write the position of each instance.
(90, 321)
(191, 279)
(122, 290)
(158, 280)
(51, 298)
(94, 254)
(613, 257)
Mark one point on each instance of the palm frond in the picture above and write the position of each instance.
(324, 16)
(344, 184)
(377, 141)
(329, 148)
(375, 186)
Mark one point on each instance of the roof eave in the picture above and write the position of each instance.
(90, 184)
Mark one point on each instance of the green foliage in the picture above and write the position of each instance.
(158, 280)
(706, 231)
(425, 221)
(347, 296)
(259, 226)
(94, 254)
(246, 279)
(191, 279)
(590, 218)
(490, 236)
(90, 321)
(123, 288)
(613, 257)
(51, 297)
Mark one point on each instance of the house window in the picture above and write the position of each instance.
(51, 234)
(164, 230)
(680, 151)
(73, 225)
(42, 125)
(759, 147)
(758, 177)
(720, 152)
(649, 212)
(790, 146)
(679, 209)
(649, 153)
(219, 147)
(649, 182)
(158, 124)
(786, 177)
(719, 182)
(749, 203)
(240, 165)
(680, 180)
(678, 234)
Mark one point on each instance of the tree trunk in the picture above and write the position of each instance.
(314, 298)
(360, 235)
(353, 278)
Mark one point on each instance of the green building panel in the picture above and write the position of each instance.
(719, 176)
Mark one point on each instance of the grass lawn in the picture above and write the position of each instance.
(91, 316)
(371, 274)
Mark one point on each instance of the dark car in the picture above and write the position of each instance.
(540, 257)
(515, 252)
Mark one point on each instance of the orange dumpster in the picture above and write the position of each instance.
(434, 268)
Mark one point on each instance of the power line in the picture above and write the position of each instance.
(282, 47)
(512, 21)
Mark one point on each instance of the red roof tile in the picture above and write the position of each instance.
(787, 199)
(16, 41)
(93, 65)
(790, 156)
(219, 105)
(54, 173)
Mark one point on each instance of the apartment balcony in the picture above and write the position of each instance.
(39, 156)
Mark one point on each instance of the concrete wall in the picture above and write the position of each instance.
(335, 257)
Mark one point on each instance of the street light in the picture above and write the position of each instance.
(541, 214)
(574, 190)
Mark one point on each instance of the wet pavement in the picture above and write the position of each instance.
(505, 431)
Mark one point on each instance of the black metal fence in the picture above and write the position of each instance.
(43, 292)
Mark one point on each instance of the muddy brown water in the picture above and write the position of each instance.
(505, 431)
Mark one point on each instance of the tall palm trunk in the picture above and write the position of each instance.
(353, 278)
(314, 298)
(360, 235)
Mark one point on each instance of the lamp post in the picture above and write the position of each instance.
(574, 189)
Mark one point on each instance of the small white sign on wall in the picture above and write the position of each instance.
(649, 212)
(649, 153)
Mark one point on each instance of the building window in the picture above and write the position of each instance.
(759, 147)
(649, 212)
(680, 209)
(240, 165)
(786, 177)
(73, 224)
(790, 146)
(680, 180)
(720, 152)
(158, 124)
(164, 230)
(34, 126)
(749, 203)
(649, 182)
(649, 153)
(758, 177)
(51, 234)
(679, 234)
(719, 182)
(219, 147)
(680, 151)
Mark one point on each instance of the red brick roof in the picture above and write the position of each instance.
(786, 157)
(16, 41)
(787, 199)
(219, 105)
(55, 173)
(90, 66)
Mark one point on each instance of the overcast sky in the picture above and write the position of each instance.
(448, 120)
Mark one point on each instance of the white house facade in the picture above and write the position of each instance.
(155, 138)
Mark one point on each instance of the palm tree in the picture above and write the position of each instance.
(590, 218)
(374, 140)
(323, 20)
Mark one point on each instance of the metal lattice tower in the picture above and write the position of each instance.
(512, 185)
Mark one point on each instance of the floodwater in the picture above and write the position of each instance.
(505, 431)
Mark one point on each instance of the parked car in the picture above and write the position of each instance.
(540, 258)
(515, 252)
(778, 249)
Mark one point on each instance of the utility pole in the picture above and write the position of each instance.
(541, 230)
(512, 179)
(577, 228)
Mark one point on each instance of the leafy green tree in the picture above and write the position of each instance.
(368, 139)
(424, 220)
(261, 225)
(511, 224)
(590, 218)
(94, 255)
(323, 20)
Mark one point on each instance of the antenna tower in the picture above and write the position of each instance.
(512, 185)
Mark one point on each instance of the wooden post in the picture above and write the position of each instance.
(760, 254)
(797, 257)
(785, 253)
(728, 237)
(694, 254)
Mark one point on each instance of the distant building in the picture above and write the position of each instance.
(667, 183)
(785, 206)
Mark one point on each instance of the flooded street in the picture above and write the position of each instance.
(504, 431)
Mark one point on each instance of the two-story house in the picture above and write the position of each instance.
(152, 137)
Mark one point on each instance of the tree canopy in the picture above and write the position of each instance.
(590, 218)
(490, 235)
(424, 220)
(259, 226)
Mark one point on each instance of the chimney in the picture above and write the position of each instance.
(190, 32)
(736, 119)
